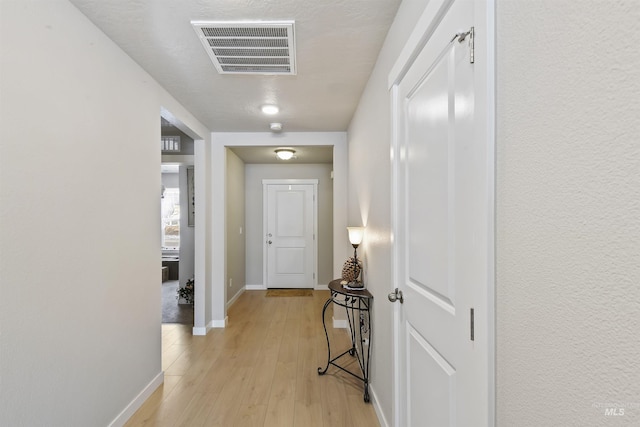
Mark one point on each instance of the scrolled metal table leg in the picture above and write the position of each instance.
(324, 325)
(350, 310)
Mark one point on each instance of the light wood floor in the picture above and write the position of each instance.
(259, 371)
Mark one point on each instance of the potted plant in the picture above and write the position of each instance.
(186, 293)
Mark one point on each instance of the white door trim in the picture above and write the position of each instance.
(484, 78)
(265, 184)
(427, 23)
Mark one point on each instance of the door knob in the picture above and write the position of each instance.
(269, 242)
(396, 296)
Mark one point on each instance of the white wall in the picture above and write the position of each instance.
(80, 264)
(254, 174)
(235, 228)
(568, 212)
(203, 230)
(171, 180)
(370, 197)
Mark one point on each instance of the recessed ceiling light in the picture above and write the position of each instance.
(270, 109)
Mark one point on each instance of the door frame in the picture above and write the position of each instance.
(485, 29)
(265, 185)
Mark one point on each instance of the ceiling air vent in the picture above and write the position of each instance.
(263, 47)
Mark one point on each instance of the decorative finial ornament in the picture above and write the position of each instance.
(351, 271)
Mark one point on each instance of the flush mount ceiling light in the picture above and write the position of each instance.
(285, 153)
(270, 109)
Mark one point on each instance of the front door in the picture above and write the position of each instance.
(290, 224)
(442, 232)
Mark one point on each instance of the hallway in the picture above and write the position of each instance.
(259, 371)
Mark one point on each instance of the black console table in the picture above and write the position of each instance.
(358, 304)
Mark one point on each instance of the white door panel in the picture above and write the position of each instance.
(441, 230)
(430, 170)
(289, 260)
(290, 235)
(290, 212)
(433, 385)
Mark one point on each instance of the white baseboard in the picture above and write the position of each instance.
(340, 323)
(235, 297)
(201, 330)
(321, 287)
(137, 402)
(218, 323)
(376, 405)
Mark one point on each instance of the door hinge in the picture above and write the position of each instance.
(471, 319)
(472, 45)
(462, 37)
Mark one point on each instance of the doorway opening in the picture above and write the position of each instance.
(307, 243)
(177, 225)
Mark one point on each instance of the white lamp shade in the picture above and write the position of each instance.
(355, 235)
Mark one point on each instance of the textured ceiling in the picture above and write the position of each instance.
(337, 45)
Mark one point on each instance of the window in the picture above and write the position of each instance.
(171, 219)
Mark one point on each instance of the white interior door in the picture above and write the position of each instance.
(290, 228)
(441, 227)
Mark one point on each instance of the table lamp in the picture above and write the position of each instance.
(355, 237)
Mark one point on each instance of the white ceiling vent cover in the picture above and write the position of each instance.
(261, 47)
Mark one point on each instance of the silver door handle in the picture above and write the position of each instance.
(396, 296)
